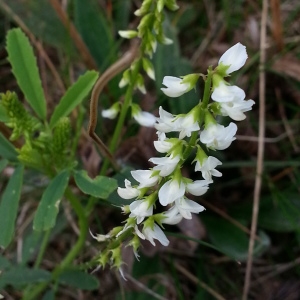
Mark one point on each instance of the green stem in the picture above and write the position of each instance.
(121, 119)
(83, 225)
(207, 90)
(204, 103)
(42, 249)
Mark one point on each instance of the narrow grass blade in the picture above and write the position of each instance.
(7, 150)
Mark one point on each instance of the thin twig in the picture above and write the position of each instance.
(260, 154)
(144, 288)
(227, 217)
(280, 269)
(81, 46)
(265, 140)
(194, 279)
(111, 72)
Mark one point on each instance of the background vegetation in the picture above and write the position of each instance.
(207, 256)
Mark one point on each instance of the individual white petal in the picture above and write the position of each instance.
(235, 57)
(155, 233)
(166, 165)
(163, 146)
(145, 118)
(137, 231)
(174, 86)
(172, 216)
(170, 191)
(235, 109)
(227, 93)
(145, 178)
(186, 206)
(198, 187)
(128, 192)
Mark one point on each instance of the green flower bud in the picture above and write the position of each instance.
(171, 5)
(144, 8)
(148, 67)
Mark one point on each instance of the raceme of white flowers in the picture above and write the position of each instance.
(198, 131)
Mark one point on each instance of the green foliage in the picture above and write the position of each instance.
(7, 150)
(231, 240)
(19, 119)
(9, 206)
(74, 96)
(48, 208)
(19, 276)
(24, 67)
(99, 187)
(95, 31)
(79, 280)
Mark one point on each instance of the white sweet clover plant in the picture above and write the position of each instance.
(150, 32)
(198, 131)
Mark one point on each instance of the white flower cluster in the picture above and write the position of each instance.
(164, 182)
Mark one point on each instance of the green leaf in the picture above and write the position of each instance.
(99, 187)
(24, 67)
(94, 28)
(18, 276)
(74, 96)
(7, 150)
(49, 295)
(9, 206)
(231, 240)
(79, 279)
(3, 164)
(281, 215)
(45, 216)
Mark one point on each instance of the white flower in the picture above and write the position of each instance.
(174, 86)
(186, 125)
(128, 192)
(140, 209)
(165, 121)
(171, 216)
(170, 191)
(155, 233)
(235, 57)
(99, 237)
(218, 137)
(165, 165)
(235, 109)
(145, 118)
(198, 187)
(110, 113)
(227, 93)
(186, 207)
(207, 167)
(163, 146)
(145, 178)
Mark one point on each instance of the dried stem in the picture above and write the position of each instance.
(261, 146)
